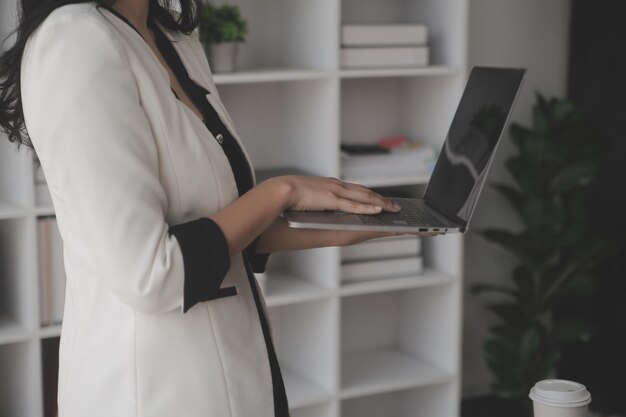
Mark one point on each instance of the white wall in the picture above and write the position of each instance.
(8, 17)
(527, 33)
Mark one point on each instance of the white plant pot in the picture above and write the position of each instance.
(222, 56)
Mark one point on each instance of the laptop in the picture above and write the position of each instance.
(460, 171)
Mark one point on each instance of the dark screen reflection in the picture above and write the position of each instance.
(472, 138)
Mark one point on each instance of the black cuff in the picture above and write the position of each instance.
(258, 261)
(206, 260)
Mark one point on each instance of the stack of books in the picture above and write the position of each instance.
(384, 45)
(385, 257)
(51, 271)
(401, 162)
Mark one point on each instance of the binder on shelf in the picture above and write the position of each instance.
(383, 34)
(387, 247)
(384, 57)
(51, 271)
(50, 375)
(380, 269)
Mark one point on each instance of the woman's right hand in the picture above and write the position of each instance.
(310, 193)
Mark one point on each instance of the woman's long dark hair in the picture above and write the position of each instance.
(31, 14)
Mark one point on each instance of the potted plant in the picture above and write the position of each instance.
(221, 29)
(557, 250)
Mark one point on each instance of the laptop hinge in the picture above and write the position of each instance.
(457, 221)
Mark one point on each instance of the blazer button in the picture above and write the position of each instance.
(220, 138)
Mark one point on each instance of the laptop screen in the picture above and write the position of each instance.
(475, 130)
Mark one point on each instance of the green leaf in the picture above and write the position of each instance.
(511, 314)
(562, 110)
(580, 284)
(529, 180)
(572, 331)
(529, 347)
(222, 23)
(482, 288)
(541, 115)
(544, 219)
(547, 365)
(503, 331)
(522, 277)
(519, 134)
(575, 176)
(539, 150)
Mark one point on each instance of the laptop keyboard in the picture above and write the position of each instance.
(413, 213)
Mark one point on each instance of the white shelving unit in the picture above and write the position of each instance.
(379, 348)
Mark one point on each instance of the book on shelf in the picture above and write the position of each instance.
(411, 161)
(381, 268)
(384, 57)
(51, 271)
(384, 34)
(384, 247)
(50, 375)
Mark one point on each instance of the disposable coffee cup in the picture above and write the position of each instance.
(560, 398)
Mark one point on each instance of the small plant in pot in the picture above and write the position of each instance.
(221, 29)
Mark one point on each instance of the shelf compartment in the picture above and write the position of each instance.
(417, 107)
(16, 178)
(312, 380)
(265, 75)
(401, 338)
(288, 33)
(383, 370)
(428, 278)
(436, 400)
(446, 21)
(18, 272)
(20, 385)
(283, 287)
(287, 123)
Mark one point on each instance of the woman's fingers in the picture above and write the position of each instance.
(364, 195)
(352, 206)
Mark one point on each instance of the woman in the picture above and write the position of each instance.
(161, 218)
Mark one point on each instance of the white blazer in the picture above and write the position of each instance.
(124, 160)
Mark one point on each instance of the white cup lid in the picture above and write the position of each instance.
(560, 393)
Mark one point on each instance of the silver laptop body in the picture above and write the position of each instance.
(461, 169)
